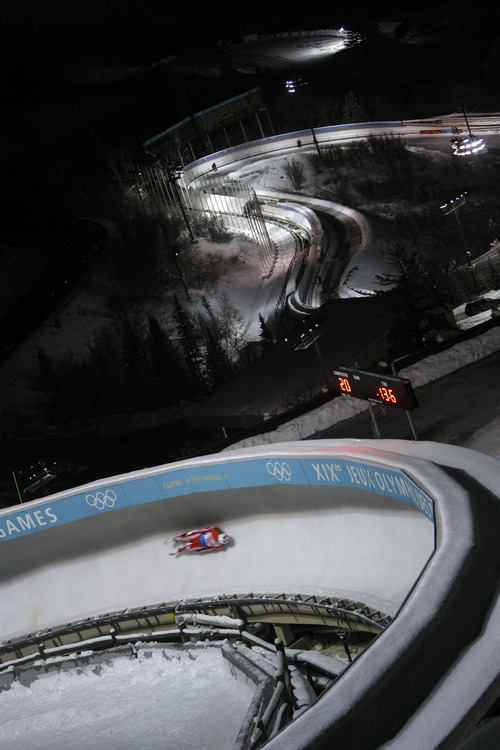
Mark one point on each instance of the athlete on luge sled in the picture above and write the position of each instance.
(201, 540)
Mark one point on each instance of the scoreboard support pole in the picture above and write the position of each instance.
(377, 388)
(374, 421)
(412, 427)
(322, 364)
(408, 414)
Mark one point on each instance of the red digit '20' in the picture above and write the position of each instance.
(344, 385)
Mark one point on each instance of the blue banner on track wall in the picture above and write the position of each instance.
(255, 472)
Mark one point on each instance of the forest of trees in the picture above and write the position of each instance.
(139, 363)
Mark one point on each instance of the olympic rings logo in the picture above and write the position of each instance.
(281, 471)
(102, 499)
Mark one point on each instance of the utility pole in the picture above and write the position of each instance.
(175, 255)
(306, 336)
(173, 175)
(452, 207)
(316, 142)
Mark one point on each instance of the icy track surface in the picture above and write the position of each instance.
(164, 698)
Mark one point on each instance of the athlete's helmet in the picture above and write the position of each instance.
(223, 538)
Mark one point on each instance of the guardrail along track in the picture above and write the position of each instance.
(159, 622)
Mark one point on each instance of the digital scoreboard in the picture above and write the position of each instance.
(382, 389)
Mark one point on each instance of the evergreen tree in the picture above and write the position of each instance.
(352, 110)
(190, 345)
(422, 312)
(265, 334)
(214, 323)
(219, 331)
(166, 367)
(105, 375)
(135, 375)
(217, 365)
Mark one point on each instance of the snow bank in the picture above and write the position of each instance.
(437, 365)
(164, 699)
(423, 372)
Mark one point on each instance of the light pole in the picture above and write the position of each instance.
(467, 146)
(306, 337)
(173, 175)
(292, 84)
(175, 255)
(452, 207)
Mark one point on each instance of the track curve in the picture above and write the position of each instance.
(358, 517)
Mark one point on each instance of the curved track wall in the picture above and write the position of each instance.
(327, 516)
(300, 521)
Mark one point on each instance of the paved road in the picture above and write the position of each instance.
(450, 410)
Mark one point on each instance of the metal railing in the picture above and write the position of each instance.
(161, 622)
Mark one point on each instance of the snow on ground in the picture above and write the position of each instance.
(250, 290)
(72, 327)
(280, 51)
(164, 698)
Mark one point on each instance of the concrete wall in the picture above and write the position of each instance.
(429, 678)
(325, 516)
(300, 520)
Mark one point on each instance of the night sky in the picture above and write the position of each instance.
(47, 107)
(39, 39)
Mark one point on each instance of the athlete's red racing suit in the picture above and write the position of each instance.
(201, 540)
